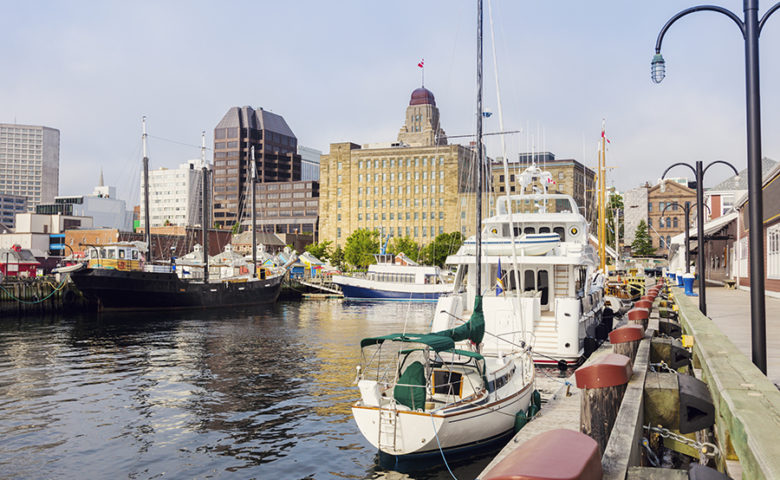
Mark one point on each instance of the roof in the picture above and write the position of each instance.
(709, 227)
(422, 96)
(257, 119)
(741, 183)
(766, 178)
(263, 238)
(437, 342)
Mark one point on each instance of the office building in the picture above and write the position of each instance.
(419, 186)
(30, 162)
(276, 158)
(310, 163)
(175, 195)
(10, 205)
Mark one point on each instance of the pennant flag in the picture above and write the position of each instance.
(499, 282)
(422, 63)
(603, 136)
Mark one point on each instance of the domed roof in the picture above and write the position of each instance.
(422, 96)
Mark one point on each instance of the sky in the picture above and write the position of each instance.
(344, 70)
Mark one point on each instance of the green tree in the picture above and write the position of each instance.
(337, 258)
(436, 252)
(321, 250)
(643, 244)
(406, 245)
(361, 246)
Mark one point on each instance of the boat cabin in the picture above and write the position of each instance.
(119, 256)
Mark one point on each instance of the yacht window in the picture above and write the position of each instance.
(528, 280)
(544, 229)
(561, 232)
(529, 230)
(543, 286)
(447, 382)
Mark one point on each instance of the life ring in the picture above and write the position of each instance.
(244, 270)
(121, 265)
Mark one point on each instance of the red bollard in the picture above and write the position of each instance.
(639, 316)
(625, 340)
(556, 454)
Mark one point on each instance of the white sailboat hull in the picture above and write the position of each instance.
(401, 432)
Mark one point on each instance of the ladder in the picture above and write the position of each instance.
(388, 427)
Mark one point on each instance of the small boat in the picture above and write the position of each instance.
(394, 278)
(531, 244)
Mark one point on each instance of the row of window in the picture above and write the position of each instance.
(406, 231)
(392, 190)
(409, 216)
(773, 251)
(670, 222)
(401, 203)
(392, 162)
(668, 205)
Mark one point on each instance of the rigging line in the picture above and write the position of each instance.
(177, 142)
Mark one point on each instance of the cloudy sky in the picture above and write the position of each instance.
(344, 70)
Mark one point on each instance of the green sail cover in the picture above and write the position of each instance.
(437, 342)
(473, 330)
(410, 389)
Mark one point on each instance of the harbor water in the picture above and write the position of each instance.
(242, 393)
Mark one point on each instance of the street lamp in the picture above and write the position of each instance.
(687, 210)
(699, 172)
(751, 28)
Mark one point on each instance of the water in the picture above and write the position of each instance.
(252, 393)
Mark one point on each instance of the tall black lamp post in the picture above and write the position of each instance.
(687, 210)
(751, 28)
(700, 267)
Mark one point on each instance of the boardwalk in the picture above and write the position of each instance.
(730, 310)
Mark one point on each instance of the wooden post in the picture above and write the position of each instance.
(603, 384)
(625, 340)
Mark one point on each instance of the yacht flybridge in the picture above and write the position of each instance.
(555, 295)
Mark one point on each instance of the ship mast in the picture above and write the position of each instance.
(602, 188)
(204, 214)
(478, 176)
(254, 216)
(147, 223)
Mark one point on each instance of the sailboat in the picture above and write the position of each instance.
(119, 277)
(440, 391)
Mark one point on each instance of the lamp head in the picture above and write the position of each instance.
(658, 68)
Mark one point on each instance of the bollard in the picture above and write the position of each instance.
(688, 282)
(555, 454)
(639, 316)
(625, 340)
(603, 384)
(669, 351)
(644, 304)
(678, 402)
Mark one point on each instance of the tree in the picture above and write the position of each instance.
(436, 252)
(643, 244)
(337, 258)
(406, 245)
(361, 246)
(321, 250)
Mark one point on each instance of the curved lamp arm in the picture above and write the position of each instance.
(766, 16)
(719, 161)
(676, 164)
(669, 205)
(699, 8)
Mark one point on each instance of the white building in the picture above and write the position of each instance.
(310, 163)
(175, 195)
(106, 210)
(30, 162)
(37, 232)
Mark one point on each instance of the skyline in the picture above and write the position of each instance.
(346, 73)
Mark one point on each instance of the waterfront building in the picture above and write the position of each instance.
(721, 198)
(43, 234)
(310, 163)
(30, 162)
(635, 206)
(10, 205)
(417, 186)
(570, 176)
(175, 195)
(106, 210)
(285, 207)
(663, 228)
(276, 158)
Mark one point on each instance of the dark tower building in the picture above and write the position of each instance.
(275, 154)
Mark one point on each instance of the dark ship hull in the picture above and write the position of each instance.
(136, 290)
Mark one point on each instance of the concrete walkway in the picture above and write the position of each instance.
(730, 310)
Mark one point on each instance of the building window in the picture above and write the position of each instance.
(773, 251)
(675, 222)
(649, 207)
(338, 232)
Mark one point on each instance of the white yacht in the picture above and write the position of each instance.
(557, 294)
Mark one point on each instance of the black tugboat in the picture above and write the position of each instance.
(118, 279)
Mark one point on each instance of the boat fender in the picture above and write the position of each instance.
(521, 420)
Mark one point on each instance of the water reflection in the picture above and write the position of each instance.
(252, 393)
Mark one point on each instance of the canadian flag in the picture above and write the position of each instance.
(550, 180)
(604, 137)
(422, 63)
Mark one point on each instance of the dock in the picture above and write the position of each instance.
(706, 407)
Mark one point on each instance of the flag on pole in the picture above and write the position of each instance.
(499, 282)
(422, 63)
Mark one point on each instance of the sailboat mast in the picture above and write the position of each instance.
(254, 216)
(204, 218)
(148, 222)
(478, 175)
(603, 200)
